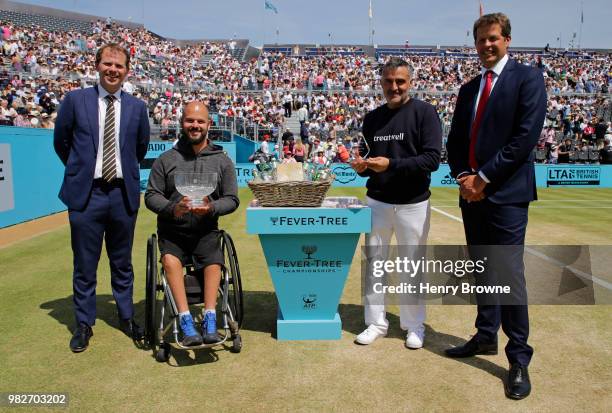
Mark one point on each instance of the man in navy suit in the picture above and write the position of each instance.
(101, 134)
(496, 125)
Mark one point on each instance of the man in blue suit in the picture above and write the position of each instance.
(101, 134)
(496, 125)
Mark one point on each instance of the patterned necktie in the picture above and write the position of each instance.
(109, 164)
(482, 103)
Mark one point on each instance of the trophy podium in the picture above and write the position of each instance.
(309, 253)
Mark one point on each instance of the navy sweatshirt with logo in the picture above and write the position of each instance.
(411, 137)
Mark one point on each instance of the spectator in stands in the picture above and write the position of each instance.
(600, 131)
(287, 103)
(299, 151)
(549, 139)
(164, 131)
(288, 158)
(304, 131)
(302, 114)
(159, 65)
(605, 153)
(553, 156)
(542, 141)
(330, 148)
(287, 136)
(265, 146)
(33, 117)
(46, 102)
(7, 113)
(577, 127)
(565, 151)
(287, 149)
(21, 120)
(319, 157)
(46, 121)
(316, 146)
(343, 154)
(588, 133)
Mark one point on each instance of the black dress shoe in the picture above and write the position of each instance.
(518, 385)
(131, 329)
(80, 338)
(472, 348)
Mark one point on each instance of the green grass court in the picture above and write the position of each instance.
(571, 369)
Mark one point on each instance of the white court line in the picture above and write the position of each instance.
(446, 214)
(538, 254)
(544, 207)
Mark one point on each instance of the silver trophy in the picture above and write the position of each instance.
(195, 185)
(359, 148)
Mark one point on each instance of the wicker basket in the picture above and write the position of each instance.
(290, 194)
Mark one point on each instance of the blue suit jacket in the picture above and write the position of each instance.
(509, 131)
(76, 137)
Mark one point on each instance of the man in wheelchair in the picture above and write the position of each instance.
(187, 232)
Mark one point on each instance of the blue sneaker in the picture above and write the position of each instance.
(190, 336)
(209, 328)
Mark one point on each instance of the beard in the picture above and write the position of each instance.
(197, 141)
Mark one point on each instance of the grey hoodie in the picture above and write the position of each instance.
(161, 196)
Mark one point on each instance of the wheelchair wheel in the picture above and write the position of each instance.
(151, 289)
(236, 344)
(162, 354)
(234, 293)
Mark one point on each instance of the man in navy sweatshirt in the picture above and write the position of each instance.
(404, 138)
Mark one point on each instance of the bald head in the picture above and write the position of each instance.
(195, 106)
(195, 122)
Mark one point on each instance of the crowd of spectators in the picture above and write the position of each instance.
(336, 88)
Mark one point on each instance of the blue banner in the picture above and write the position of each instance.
(566, 175)
(30, 175)
(583, 176)
(157, 148)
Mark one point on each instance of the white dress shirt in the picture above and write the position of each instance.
(497, 69)
(102, 93)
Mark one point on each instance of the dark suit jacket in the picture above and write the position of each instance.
(509, 131)
(76, 137)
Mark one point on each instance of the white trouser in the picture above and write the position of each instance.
(410, 223)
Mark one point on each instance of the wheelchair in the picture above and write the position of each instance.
(161, 314)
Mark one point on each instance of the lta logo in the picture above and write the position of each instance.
(309, 250)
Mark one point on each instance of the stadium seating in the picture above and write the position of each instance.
(247, 94)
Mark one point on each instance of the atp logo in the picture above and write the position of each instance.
(310, 301)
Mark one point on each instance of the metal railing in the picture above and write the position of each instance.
(172, 132)
(197, 86)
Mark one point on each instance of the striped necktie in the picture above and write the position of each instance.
(109, 164)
